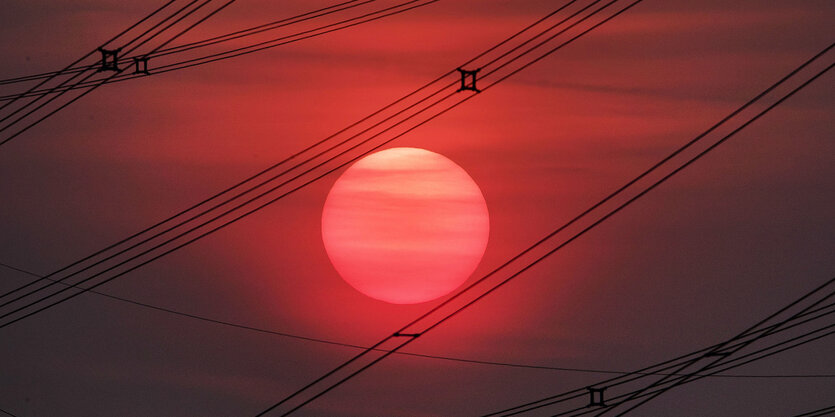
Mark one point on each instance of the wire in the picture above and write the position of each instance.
(100, 82)
(206, 42)
(774, 329)
(283, 40)
(436, 323)
(249, 201)
(261, 173)
(418, 355)
(820, 412)
(68, 67)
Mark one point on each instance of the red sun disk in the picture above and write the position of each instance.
(405, 225)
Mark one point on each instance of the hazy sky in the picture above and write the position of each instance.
(733, 238)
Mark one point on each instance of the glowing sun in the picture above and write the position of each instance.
(405, 225)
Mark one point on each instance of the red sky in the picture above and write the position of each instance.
(734, 237)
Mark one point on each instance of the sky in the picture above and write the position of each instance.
(734, 237)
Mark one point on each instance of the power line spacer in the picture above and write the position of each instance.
(468, 80)
(109, 59)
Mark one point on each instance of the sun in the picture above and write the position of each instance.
(405, 225)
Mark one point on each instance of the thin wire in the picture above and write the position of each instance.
(94, 51)
(63, 87)
(100, 82)
(730, 364)
(569, 395)
(206, 42)
(268, 44)
(357, 357)
(268, 169)
(418, 355)
(513, 36)
(820, 412)
(437, 323)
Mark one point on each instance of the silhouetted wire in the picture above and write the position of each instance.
(181, 223)
(143, 20)
(206, 42)
(574, 237)
(269, 202)
(268, 169)
(820, 412)
(672, 363)
(103, 81)
(719, 348)
(360, 355)
(251, 200)
(115, 76)
(39, 94)
(263, 28)
(287, 39)
(414, 354)
(734, 132)
(7, 413)
(439, 78)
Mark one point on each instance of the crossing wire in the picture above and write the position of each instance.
(39, 94)
(404, 330)
(245, 50)
(121, 76)
(99, 83)
(50, 76)
(249, 201)
(413, 354)
(211, 41)
(789, 323)
(820, 412)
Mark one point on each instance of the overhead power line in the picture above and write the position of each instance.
(426, 322)
(791, 332)
(210, 41)
(250, 328)
(147, 255)
(826, 411)
(95, 79)
(178, 16)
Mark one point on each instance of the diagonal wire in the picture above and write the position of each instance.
(286, 183)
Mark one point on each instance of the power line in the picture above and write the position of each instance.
(733, 345)
(411, 333)
(334, 8)
(50, 76)
(122, 76)
(251, 200)
(98, 83)
(418, 355)
(252, 48)
(820, 412)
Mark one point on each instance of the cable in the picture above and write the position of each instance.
(261, 173)
(68, 67)
(820, 412)
(206, 42)
(246, 214)
(264, 205)
(418, 355)
(283, 40)
(771, 330)
(721, 348)
(105, 80)
(404, 330)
